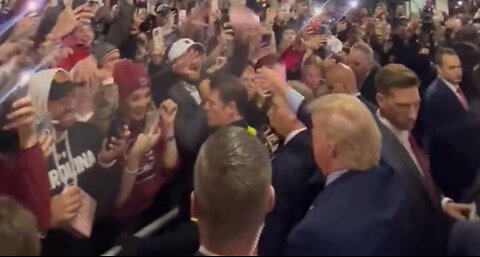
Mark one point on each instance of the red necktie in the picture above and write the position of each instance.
(461, 98)
(427, 180)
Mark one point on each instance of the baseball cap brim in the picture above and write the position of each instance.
(182, 46)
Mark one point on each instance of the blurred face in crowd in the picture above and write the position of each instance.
(340, 79)
(108, 63)
(359, 63)
(379, 11)
(400, 11)
(141, 55)
(288, 36)
(301, 8)
(280, 116)
(400, 106)
(84, 35)
(193, 65)
(248, 79)
(450, 69)
(402, 32)
(64, 110)
(218, 113)
(312, 76)
(138, 104)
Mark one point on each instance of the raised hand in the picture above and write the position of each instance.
(22, 119)
(65, 206)
(114, 147)
(46, 142)
(69, 19)
(168, 113)
(146, 142)
(315, 43)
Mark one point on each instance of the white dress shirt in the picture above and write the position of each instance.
(204, 251)
(193, 92)
(451, 86)
(332, 177)
(292, 134)
(454, 89)
(403, 137)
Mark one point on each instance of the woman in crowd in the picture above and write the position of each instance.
(151, 156)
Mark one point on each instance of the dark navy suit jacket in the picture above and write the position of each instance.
(442, 108)
(360, 213)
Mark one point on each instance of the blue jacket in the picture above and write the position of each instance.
(360, 213)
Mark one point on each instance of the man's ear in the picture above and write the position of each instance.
(232, 106)
(380, 98)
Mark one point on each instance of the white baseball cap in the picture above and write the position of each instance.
(181, 46)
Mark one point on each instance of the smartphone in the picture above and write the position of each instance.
(176, 20)
(44, 125)
(323, 30)
(266, 40)
(15, 89)
(116, 130)
(182, 15)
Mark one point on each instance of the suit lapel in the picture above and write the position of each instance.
(184, 95)
(400, 159)
(447, 92)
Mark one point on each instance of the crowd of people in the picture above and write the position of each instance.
(275, 127)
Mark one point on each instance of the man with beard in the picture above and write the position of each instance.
(82, 173)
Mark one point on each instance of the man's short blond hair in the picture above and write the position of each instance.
(232, 181)
(350, 127)
(314, 61)
(18, 230)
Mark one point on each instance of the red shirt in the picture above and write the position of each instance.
(150, 179)
(24, 178)
(293, 62)
(79, 53)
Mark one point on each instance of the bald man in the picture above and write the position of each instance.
(341, 79)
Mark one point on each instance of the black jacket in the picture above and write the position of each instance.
(454, 158)
(442, 108)
(293, 172)
(368, 89)
(470, 56)
(190, 133)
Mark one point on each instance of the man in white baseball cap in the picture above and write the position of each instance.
(186, 57)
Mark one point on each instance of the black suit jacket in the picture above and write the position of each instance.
(293, 171)
(190, 132)
(368, 89)
(427, 225)
(454, 157)
(442, 108)
(464, 239)
(470, 57)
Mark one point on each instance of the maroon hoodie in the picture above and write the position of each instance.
(23, 177)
